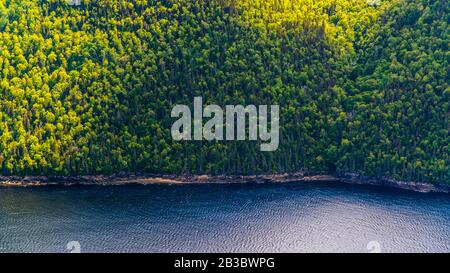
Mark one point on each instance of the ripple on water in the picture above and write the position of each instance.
(320, 217)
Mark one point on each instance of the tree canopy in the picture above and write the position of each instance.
(362, 85)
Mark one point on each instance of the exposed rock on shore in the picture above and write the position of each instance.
(122, 179)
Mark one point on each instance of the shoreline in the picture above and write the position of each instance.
(143, 179)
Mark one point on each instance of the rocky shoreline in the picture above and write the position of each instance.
(123, 179)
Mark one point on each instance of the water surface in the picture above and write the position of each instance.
(291, 217)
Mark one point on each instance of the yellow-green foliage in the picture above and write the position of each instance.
(337, 20)
(363, 86)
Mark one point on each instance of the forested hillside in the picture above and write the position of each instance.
(363, 86)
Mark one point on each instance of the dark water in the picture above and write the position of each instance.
(308, 217)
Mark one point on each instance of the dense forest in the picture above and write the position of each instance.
(362, 85)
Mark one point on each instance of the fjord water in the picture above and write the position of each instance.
(292, 217)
